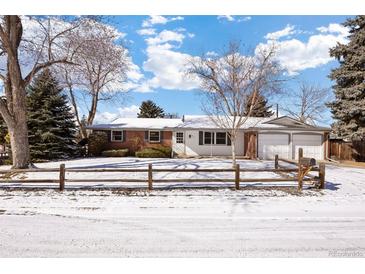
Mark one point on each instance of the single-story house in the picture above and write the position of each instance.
(198, 135)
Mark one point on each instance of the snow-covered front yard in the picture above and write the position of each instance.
(176, 222)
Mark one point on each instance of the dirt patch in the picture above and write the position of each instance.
(352, 164)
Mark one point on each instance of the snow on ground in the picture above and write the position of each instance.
(185, 222)
(136, 163)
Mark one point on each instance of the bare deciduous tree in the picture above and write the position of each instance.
(308, 103)
(27, 46)
(100, 70)
(228, 81)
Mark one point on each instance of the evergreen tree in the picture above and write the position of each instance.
(348, 108)
(261, 109)
(51, 124)
(149, 109)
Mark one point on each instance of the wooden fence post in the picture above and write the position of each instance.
(300, 178)
(150, 187)
(300, 171)
(322, 173)
(300, 153)
(276, 161)
(237, 177)
(62, 176)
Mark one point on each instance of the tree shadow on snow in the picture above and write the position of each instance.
(332, 186)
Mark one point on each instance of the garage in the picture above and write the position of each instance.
(270, 144)
(311, 144)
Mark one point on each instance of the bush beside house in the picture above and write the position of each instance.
(155, 152)
(115, 153)
(97, 143)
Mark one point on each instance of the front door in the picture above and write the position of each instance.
(179, 143)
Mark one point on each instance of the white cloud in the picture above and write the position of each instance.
(134, 72)
(231, 18)
(211, 53)
(334, 28)
(158, 19)
(165, 63)
(288, 30)
(296, 55)
(166, 36)
(130, 111)
(147, 31)
(244, 19)
(226, 17)
(177, 18)
(125, 112)
(154, 19)
(168, 67)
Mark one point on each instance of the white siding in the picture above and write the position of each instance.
(271, 144)
(192, 147)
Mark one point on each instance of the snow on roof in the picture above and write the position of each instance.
(139, 123)
(199, 122)
(205, 122)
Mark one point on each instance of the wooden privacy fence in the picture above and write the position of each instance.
(350, 151)
(284, 172)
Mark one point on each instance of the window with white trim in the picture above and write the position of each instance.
(117, 136)
(154, 136)
(179, 137)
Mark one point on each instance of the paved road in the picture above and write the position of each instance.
(189, 224)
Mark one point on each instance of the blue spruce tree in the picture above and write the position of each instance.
(51, 123)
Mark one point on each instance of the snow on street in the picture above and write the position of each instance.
(186, 222)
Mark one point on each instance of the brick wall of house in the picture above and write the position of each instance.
(135, 140)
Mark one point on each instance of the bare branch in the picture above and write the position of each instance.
(42, 66)
(230, 80)
(101, 65)
(307, 104)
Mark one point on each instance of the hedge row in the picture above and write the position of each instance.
(154, 152)
(115, 153)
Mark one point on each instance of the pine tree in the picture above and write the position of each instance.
(51, 123)
(260, 109)
(348, 108)
(149, 109)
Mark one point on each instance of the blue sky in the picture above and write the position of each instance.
(158, 45)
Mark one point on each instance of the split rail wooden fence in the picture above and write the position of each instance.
(285, 172)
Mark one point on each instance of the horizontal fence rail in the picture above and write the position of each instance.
(120, 170)
(287, 175)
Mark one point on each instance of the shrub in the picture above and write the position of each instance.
(97, 143)
(115, 153)
(6, 162)
(154, 152)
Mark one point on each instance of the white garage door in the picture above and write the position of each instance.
(311, 144)
(271, 144)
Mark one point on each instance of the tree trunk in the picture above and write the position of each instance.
(19, 141)
(233, 147)
(93, 108)
(74, 105)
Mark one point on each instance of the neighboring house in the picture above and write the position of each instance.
(199, 136)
